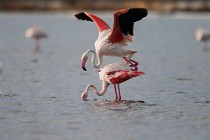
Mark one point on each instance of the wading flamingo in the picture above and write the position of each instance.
(111, 42)
(115, 74)
(203, 35)
(36, 34)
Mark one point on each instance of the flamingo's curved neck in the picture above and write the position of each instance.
(103, 90)
(93, 60)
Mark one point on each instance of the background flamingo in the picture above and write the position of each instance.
(110, 42)
(203, 35)
(115, 74)
(36, 34)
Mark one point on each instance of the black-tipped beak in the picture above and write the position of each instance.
(83, 65)
(84, 68)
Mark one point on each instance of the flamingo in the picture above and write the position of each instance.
(203, 35)
(36, 34)
(115, 74)
(111, 42)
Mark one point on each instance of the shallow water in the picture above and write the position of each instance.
(41, 91)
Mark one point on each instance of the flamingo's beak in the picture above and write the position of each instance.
(83, 65)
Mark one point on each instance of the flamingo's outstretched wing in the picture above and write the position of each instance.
(102, 25)
(123, 23)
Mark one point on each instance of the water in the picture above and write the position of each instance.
(41, 92)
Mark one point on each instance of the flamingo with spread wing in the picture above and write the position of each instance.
(111, 42)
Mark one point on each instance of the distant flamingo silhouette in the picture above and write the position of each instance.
(203, 35)
(111, 42)
(36, 34)
(115, 74)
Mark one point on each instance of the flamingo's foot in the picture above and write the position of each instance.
(118, 98)
(135, 69)
(133, 64)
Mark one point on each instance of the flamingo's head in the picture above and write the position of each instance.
(84, 95)
(84, 59)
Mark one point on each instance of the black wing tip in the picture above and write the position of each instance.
(83, 16)
(142, 11)
(135, 8)
(78, 15)
(132, 15)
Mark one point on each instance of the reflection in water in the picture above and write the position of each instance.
(203, 102)
(8, 95)
(184, 79)
(121, 105)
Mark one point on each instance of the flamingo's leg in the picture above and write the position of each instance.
(135, 62)
(37, 46)
(132, 64)
(116, 96)
(135, 68)
(119, 94)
